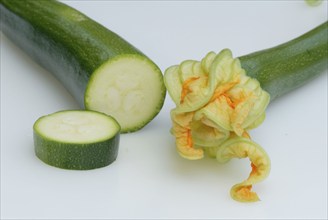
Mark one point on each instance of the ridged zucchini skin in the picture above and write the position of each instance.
(68, 44)
(76, 156)
(290, 65)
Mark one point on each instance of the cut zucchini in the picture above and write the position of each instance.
(77, 139)
(101, 70)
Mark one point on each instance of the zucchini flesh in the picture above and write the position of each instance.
(76, 139)
(128, 95)
(290, 65)
(102, 71)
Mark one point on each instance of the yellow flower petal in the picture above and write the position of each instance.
(173, 83)
(216, 104)
(207, 61)
(206, 133)
(239, 147)
(182, 132)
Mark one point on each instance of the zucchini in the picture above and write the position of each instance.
(102, 71)
(76, 139)
(290, 65)
(221, 98)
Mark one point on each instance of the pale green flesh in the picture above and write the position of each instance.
(77, 127)
(129, 88)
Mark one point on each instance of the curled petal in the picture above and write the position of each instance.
(206, 133)
(207, 61)
(195, 94)
(240, 147)
(211, 151)
(182, 132)
(239, 116)
(221, 69)
(190, 69)
(173, 83)
(257, 122)
(185, 145)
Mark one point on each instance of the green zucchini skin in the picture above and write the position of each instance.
(76, 156)
(290, 65)
(61, 40)
(68, 44)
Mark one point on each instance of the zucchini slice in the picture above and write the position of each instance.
(102, 71)
(77, 139)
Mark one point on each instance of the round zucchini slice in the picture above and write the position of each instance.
(76, 139)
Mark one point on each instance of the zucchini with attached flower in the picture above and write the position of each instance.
(102, 71)
(220, 98)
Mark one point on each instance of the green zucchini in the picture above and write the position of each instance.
(101, 70)
(76, 139)
(219, 99)
(290, 65)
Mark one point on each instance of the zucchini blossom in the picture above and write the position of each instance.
(216, 105)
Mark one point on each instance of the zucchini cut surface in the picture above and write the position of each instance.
(127, 88)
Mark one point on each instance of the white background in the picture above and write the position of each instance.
(149, 179)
